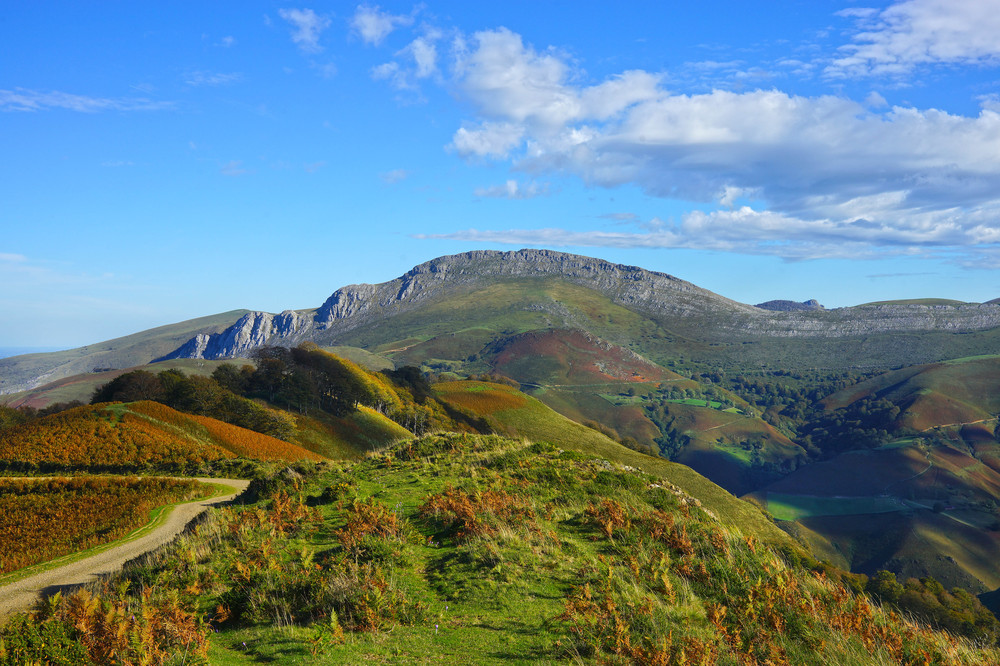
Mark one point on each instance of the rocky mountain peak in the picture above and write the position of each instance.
(790, 306)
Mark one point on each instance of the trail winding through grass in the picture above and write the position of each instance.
(22, 594)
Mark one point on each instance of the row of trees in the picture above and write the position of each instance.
(195, 394)
(302, 379)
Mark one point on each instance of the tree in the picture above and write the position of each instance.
(129, 387)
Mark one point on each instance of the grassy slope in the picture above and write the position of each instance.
(540, 572)
(535, 421)
(361, 357)
(878, 509)
(959, 390)
(348, 437)
(951, 462)
(124, 352)
(466, 321)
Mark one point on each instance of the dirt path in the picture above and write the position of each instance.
(953, 425)
(22, 595)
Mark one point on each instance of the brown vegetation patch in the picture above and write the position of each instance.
(480, 397)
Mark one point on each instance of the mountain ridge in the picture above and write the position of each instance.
(676, 306)
(652, 293)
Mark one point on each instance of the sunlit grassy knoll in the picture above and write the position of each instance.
(538, 423)
(362, 357)
(347, 437)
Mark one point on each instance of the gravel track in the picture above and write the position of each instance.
(23, 594)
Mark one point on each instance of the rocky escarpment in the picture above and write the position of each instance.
(684, 306)
(253, 330)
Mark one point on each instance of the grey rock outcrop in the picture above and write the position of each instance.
(253, 330)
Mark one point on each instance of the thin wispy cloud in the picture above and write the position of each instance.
(233, 168)
(201, 78)
(394, 176)
(513, 190)
(308, 26)
(24, 99)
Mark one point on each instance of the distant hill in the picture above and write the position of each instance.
(21, 373)
(925, 503)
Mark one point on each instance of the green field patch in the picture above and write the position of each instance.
(969, 359)
(794, 507)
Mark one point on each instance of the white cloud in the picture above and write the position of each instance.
(745, 231)
(919, 32)
(22, 99)
(374, 25)
(417, 60)
(424, 54)
(308, 27)
(227, 41)
(200, 78)
(394, 176)
(823, 171)
(513, 190)
(487, 140)
(392, 72)
(13, 258)
(233, 168)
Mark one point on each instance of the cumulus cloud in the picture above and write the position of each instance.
(374, 25)
(792, 175)
(513, 190)
(308, 26)
(917, 32)
(23, 99)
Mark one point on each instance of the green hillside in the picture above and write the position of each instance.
(519, 415)
(458, 549)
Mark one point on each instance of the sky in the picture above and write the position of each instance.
(161, 162)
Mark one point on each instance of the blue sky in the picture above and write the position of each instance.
(163, 162)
